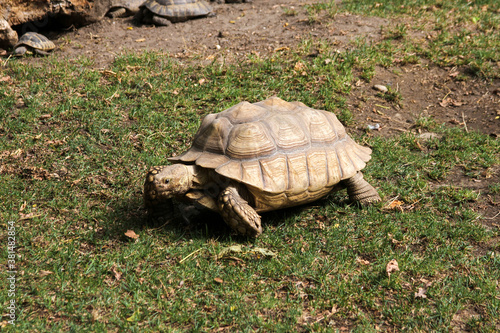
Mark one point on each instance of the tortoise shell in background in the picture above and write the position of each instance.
(32, 41)
(163, 12)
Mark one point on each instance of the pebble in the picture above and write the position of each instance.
(428, 136)
(380, 87)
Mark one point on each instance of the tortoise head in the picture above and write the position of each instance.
(166, 182)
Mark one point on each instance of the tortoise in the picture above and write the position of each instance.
(164, 12)
(33, 42)
(259, 157)
(124, 8)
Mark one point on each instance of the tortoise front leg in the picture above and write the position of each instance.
(360, 190)
(238, 214)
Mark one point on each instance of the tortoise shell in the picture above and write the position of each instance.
(35, 41)
(287, 151)
(175, 10)
(121, 8)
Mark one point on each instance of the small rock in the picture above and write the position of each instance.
(380, 87)
(428, 136)
(374, 127)
(8, 37)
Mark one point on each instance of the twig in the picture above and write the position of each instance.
(5, 62)
(111, 97)
(189, 255)
(491, 218)
(399, 129)
(479, 100)
(465, 124)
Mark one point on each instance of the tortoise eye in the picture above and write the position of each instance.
(166, 180)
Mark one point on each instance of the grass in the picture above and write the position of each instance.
(448, 33)
(76, 143)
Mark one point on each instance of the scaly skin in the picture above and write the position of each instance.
(238, 214)
(360, 190)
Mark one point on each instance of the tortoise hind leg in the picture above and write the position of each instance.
(360, 190)
(238, 214)
(158, 20)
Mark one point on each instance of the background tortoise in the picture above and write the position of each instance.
(122, 8)
(33, 42)
(163, 12)
(260, 157)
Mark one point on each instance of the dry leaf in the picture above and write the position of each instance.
(445, 102)
(421, 293)
(201, 81)
(131, 234)
(362, 261)
(27, 216)
(264, 252)
(218, 280)
(299, 66)
(282, 48)
(395, 205)
(449, 101)
(116, 273)
(392, 266)
(5, 79)
(140, 40)
(45, 273)
(56, 142)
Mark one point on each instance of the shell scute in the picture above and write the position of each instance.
(276, 104)
(346, 166)
(274, 173)
(213, 134)
(250, 140)
(317, 169)
(287, 132)
(173, 9)
(244, 112)
(298, 178)
(252, 173)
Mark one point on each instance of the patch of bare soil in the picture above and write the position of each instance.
(259, 27)
(427, 91)
(263, 27)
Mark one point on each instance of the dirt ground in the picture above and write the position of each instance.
(263, 27)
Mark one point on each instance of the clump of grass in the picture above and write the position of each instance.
(494, 188)
(397, 32)
(391, 95)
(290, 11)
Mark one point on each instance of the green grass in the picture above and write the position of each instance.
(76, 143)
(448, 33)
